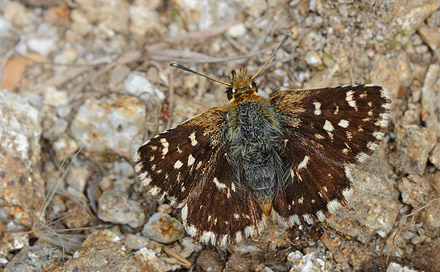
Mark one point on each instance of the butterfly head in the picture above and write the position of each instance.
(240, 83)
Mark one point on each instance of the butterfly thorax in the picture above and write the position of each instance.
(252, 145)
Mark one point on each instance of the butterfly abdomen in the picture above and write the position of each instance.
(252, 144)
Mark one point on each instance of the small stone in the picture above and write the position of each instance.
(57, 16)
(434, 158)
(163, 228)
(147, 260)
(21, 185)
(77, 177)
(101, 251)
(137, 84)
(143, 20)
(395, 267)
(313, 59)
(210, 260)
(413, 14)
(237, 31)
(136, 241)
(430, 35)
(64, 147)
(255, 7)
(414, 190)
(189, 246)
(34, 258)
(67, 56)
(414, 144)
(115, 207)
(17, 14)
(110, 124)
(420, 49)
(77, 216)
(54, 97)
(80, 23)
(44, 40)
(239, 263)
(110, 17)
(4, 26)
(343, 251)
(164, 208)
(430, 98)
(308, 262)
(432, 215)
(374, 205)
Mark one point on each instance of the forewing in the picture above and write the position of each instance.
(173, 163)
(324, 131)
(188, 165)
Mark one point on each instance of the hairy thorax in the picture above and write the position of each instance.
(252, 144)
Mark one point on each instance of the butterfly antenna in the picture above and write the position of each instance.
(176, 65)
(272, 56)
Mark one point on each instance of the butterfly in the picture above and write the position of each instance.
(288, 157)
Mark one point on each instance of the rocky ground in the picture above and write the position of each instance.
(84, 83)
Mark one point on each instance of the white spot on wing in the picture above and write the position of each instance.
(320, 215)
(333, 206)
(178, 164)
(372, 145)
(224, 240)
(138, 167)
(249, 231)
(308, 218)
(294, 219)
(361, 157)
(238, 237)
(145, 179)
(378, 135)
(208, 237)
(319, 136)
(343, 123)
(337, 109)
(165, 146)
(233, 187)
(191, 230)
(184, 212)
(303, 163)
(328, 126)
(218, 184)
(191, 160)
(192, 137)
(154, 191)
(347, 193)
(301, 200)
(349, 99)
(317, 108)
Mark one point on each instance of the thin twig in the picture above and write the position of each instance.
(184, 262)
(175, 55)
(202, 34)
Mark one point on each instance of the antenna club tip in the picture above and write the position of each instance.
(174, 64)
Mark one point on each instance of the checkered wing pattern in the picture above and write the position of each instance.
(325, 131)
(188, 165)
